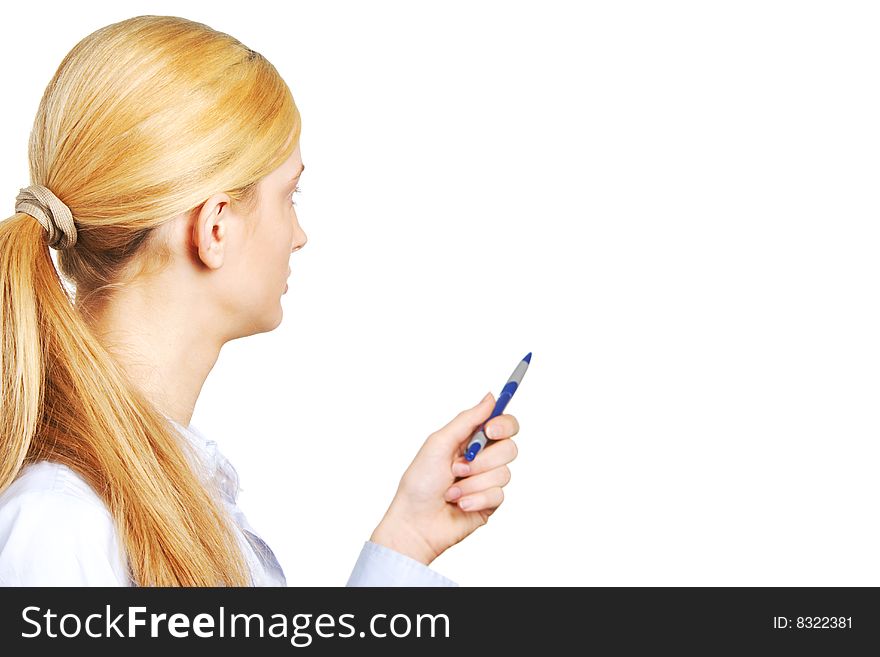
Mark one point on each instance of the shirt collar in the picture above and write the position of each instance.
(216, 467)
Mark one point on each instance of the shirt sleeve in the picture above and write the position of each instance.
(52, 538)
(378, 565)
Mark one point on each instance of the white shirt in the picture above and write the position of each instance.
(56, 531)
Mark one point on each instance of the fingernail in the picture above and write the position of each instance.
(453, 493)
(493, 431)
(466, 504)
(461, 469)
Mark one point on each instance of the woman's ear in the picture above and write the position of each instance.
(209, 230)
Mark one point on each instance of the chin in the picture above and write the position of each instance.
(273, 319)
(279, 317)
(268, 321)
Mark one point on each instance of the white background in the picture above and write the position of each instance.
(672, 205)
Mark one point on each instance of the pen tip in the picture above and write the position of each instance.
(528, 357)
(472, 452)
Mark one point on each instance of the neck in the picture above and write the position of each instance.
(159, 338)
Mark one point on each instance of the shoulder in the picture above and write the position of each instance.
(53, 479)
(55, 531)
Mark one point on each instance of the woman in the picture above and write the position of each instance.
(164, 156)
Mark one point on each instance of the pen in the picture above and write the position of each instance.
(478, 441)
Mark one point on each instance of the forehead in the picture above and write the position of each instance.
(287, 170)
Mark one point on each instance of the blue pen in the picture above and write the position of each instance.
(478, 441)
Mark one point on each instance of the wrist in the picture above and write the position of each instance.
(400, 537)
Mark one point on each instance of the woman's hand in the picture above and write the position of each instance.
(442, 497)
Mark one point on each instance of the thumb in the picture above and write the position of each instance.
(465, 423)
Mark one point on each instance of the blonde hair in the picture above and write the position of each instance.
(143, 120)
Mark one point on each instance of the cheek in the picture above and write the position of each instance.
(278, 241)
(284, 238)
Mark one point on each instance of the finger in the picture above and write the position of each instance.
(496, 477)
(487, 499)
(492, 456)
(463, 425)
(501, 426)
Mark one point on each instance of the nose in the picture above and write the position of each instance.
(299, 238)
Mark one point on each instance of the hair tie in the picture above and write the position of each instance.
(40, 203)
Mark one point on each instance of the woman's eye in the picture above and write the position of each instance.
(296, 191)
